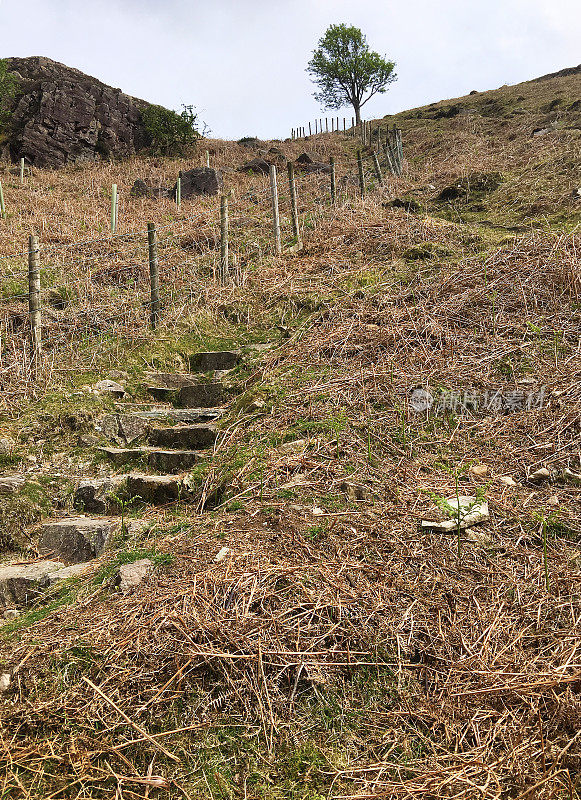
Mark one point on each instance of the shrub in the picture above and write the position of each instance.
(171, 133)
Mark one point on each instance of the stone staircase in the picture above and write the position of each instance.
(162, 442)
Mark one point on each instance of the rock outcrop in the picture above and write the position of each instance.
(60, 115)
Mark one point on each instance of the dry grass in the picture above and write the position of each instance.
(339, 650)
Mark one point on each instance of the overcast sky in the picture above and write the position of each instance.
(242, 62)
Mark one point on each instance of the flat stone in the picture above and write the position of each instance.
(121, 455)
(539, 475)
(110, 387)
(22, 583)
(108, 425)
(5, 679)
(131, 575)
(154, 489)
(76, 540)
(479, 470)
(507, 480)
(177, 415)
(218, 360)
(184, 437)
(132, 427)
(9, 484)
(201, 395)
(97, 495)
(170, 380)
(172, 460)
(73, 571)
(472, 511)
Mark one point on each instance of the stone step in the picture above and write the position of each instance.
(21, 584)
(129, 427)
(162, 460)
(212, 361)
(201, 395)
(106, 495)
(184, 437)
(76, 539)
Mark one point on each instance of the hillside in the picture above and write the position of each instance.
(527, 135)
(267, 592)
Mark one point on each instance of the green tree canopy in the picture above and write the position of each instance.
(347, 71)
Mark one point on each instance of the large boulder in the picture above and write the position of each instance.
(61, 115)
(257, 165)
(199, 181)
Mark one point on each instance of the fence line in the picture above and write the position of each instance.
(109, 287)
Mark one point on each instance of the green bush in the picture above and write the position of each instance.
(171, 133)
(8, 89)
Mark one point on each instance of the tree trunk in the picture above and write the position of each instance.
(357, 110)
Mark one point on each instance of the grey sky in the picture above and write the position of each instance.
(242, 62)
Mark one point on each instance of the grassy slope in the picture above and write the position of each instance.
(339, 649)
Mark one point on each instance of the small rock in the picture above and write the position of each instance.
(568, 476)
(294, 447)
(306, 158)
(7, 445)
(9, 484)
(478, 537)
(507, 480)
(110, 387)
(88, 440)
(132, 427)
(479, 470)
(256, 405)
(539, 475)
(221, 555)
(4, 682)
(98, 495)
(108, 425)
(553, 500)
(131, 575)
(355, 491)
(472, 511)
(11, 613)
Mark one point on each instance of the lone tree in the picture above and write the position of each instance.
(346, 70)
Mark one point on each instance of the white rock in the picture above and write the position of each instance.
(479, 470)
(294, 447)
(4, 682)
(131, 575)
(507, 480)
(539, 475)
(553, 500)
(472, 511)
(221, 554)
(11, 613)
(109, 387)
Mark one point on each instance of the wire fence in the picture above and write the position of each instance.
(102, 288)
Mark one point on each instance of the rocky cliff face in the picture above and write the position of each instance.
(61, 115)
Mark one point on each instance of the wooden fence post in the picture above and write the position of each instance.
(310, 132)
(333, 181)
(179, 191)
(224, 254)
(34, 312)
(21, 171)
(326, 124)
(377, 168)
(114, 208)
(2, 206)
(155, 304)
(344, 126)
(275, 214)
(361, 174)
(293, 199)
